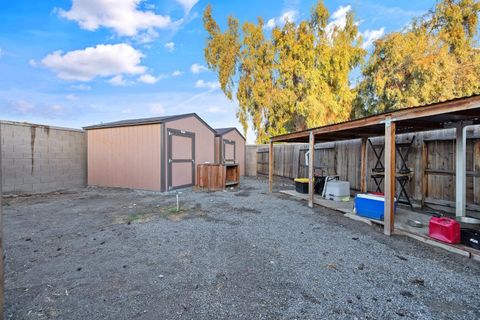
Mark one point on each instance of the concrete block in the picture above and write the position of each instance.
(22, 162)
(10, 182)
(7, 162)
(31, 179)
(47, 179)
(7, 148)
(24, 188)
(8, 190)
(8, 174)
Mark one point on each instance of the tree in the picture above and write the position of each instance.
(436, 59)
(295, 78)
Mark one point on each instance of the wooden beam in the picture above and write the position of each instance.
(460, 170)
(311, 178)
(451, 172)
(363, 164)
(270, 167)
(389, 177)
(450, 204)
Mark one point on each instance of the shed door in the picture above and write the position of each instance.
(181, 159)
(229, 151)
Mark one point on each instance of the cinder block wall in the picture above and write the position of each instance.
(38, 159)
(251, 160)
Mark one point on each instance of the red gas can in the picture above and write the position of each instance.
(444, 229)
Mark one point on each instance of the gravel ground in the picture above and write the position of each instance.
(243, 254)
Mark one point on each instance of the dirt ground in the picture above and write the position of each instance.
(242, 254)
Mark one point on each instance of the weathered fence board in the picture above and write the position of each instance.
(431, 159)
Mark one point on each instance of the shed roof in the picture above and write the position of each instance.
(223, 131)
(145, 121)
(415, 119)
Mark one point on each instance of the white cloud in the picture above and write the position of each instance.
(207, 85)
(127, 111)
(71, 97)
(370, 36)
(32, 63)
(157, 108)
(177, 73)
(1, 52)
(147, 36)
(57, 108)
(187, 4)
(123, 16)
(338, 19)
(216, 110)
(170, 46)
(148, 79)
(197, 68)
(81, 87)
(23, 106)
(289, 15)
(118, 81)
(104, 60)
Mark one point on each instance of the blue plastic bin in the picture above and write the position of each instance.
(371, 206)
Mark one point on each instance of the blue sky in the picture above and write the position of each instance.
(77, 63)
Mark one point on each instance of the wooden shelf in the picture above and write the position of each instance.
(232, 174)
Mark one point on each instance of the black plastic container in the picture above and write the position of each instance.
(319, 184)
(301, 187)
(470, 238)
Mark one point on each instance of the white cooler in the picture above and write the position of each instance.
(337, 190)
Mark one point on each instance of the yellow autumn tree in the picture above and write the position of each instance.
(294, 78)
(436, 59)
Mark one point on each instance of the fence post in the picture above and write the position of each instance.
(363, 163)
(270, 167)
(311, 162)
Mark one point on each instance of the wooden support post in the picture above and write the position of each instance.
(390, 169)
(363, 163)
(311, 162)
(460, 170)
(270, 167)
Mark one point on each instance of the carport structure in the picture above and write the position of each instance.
(457, 113)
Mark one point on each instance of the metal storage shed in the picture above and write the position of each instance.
(230, 147)
(158, 154)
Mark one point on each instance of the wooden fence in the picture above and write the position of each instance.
(432, 160)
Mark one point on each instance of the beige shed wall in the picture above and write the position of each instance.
(217, 149)
(204, 141)
(239, 148)
(127, 157)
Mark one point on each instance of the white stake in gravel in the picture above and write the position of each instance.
(178, 204)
